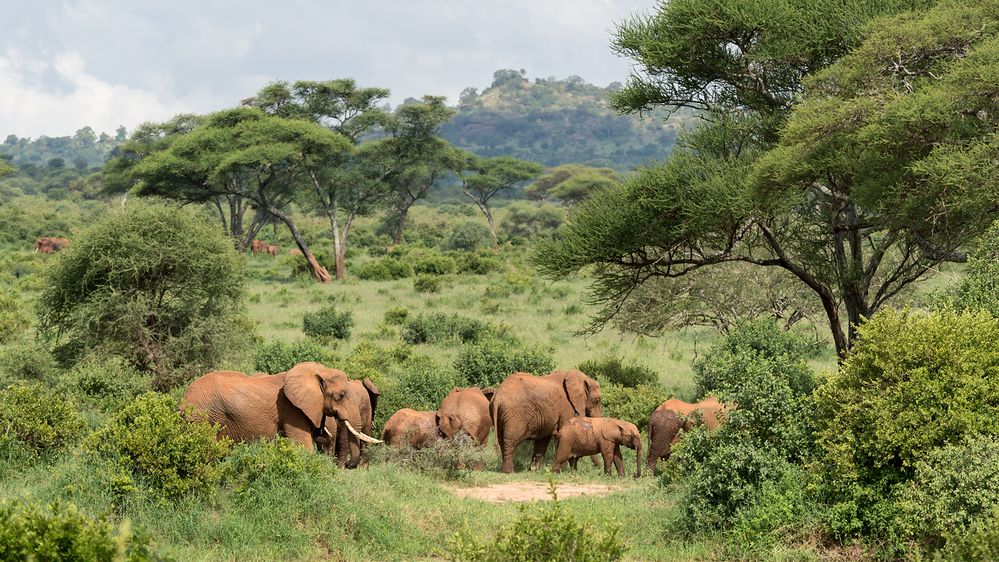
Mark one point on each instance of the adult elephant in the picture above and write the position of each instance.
(467, 410)
(711, 410)
(673, 415)
(531, 407)
(365, 394)
(49, 244)
(296, 403)
(415, 428)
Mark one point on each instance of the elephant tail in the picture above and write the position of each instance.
(495, 414)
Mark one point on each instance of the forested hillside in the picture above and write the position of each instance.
(556, 121)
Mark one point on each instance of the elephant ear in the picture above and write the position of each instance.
(574, 385)
(304, 388)
(373, 394)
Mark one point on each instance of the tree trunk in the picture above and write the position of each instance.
(318, 271)
(492, 227)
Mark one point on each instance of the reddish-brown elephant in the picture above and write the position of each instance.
(673, 415)
(414, 428)
(258, 246)
(366, 395)
(583, 436)
(296, 403)
(49, 244)
(273, 250)
(466, 410)
(531, 407)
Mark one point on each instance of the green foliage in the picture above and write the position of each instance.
(432, 263)
(952, 488)
(542, 533)
(980, 543)
(60, 532)
(37, 417)
(467, 236)
(26, 361)
(150, 442)
(328, 322)
(784, 512)
(251, 467)
(488, 362)
(440, 327)
(572, 183)
(426, 283)
(13, 319)
(104, 384)
(913, 383)
(450, 459)
(424, 383)
(385, 268)
(277, 357)
(524, 220)
(979, 288)
(613, 369)
(631, 403)
(396, 316)
(153, 284)
(477, 263)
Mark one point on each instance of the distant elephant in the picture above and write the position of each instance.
(664, 431)
(411, 427)
(583, 436)
(49, 244)
(273, 250)
(296, 403)
(531, 407)
(466, 409)
(365, 394)
(712, 411)
(294, 252)
(258, 246)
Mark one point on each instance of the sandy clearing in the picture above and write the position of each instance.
(532, 491)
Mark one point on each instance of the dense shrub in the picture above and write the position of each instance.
(396, 316)
(440, 327)
(954, 487)
(477, 263)
(13, 319)
(980, 543)
(912, 383)
(419, 382)
(328, 322)
(468, 236)
(613, 369)
(425, 283)
(524, 220)
(542, 532)
(452, 458)
(61, 532)
(979, 288)
(27, 361)
(38, 418)
(277, 357)
(104, 383)
(155, 445)
(250, 467)
(488, 362)
(632, 404)
(385, 268)
(431, 263)
(154, 284)
(784, 512)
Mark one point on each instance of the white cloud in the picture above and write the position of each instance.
(30, 107)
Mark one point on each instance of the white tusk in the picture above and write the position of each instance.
(359, 435)
(327, 431)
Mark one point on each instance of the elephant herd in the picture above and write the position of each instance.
(261, 247)
(322, 409)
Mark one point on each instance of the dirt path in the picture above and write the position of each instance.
(532, 491)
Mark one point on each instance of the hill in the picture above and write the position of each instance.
(556, 121)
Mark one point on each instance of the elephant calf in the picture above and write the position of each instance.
(583, 436)
(466, 409)
(664, 431)
(411, 427)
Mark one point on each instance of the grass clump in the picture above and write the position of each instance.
(251, 467)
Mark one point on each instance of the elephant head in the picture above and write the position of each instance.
(627, 434)
(319, 391)
(583, 393)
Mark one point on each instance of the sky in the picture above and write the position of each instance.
(105, 63)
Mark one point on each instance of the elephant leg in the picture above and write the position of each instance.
(596, 459)
(618, 460)
(608, 453)
(540, 448)
(508, 448)
(300, 435)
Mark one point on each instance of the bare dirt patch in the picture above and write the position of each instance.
(532, 491)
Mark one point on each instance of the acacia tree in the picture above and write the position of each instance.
(483, 178)
(884, 170)
(572, 183)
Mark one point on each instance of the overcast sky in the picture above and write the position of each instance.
(106, 63)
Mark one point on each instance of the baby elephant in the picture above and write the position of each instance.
(582, 437)
(664, 431)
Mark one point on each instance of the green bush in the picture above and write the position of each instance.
(154, 444)
(38, 418)
(60, 532)
(980, 543)
(488, 362)
(979, 288)
(277, 357)
(27, 361)
(13, 319)
(509, 285)
(386, 268)
(424, 383)
(613, 369)
(396, 316)
(911, 384)
(104, 384)
(328, 322)
(477, 263)
(431, 263)
(953, 487)
(154, 284)
(440, 327)
(468, 236)
(425, 283)
(631, 404)
(783, 513)
(524, 220)
(250, 467)
(541, 533)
